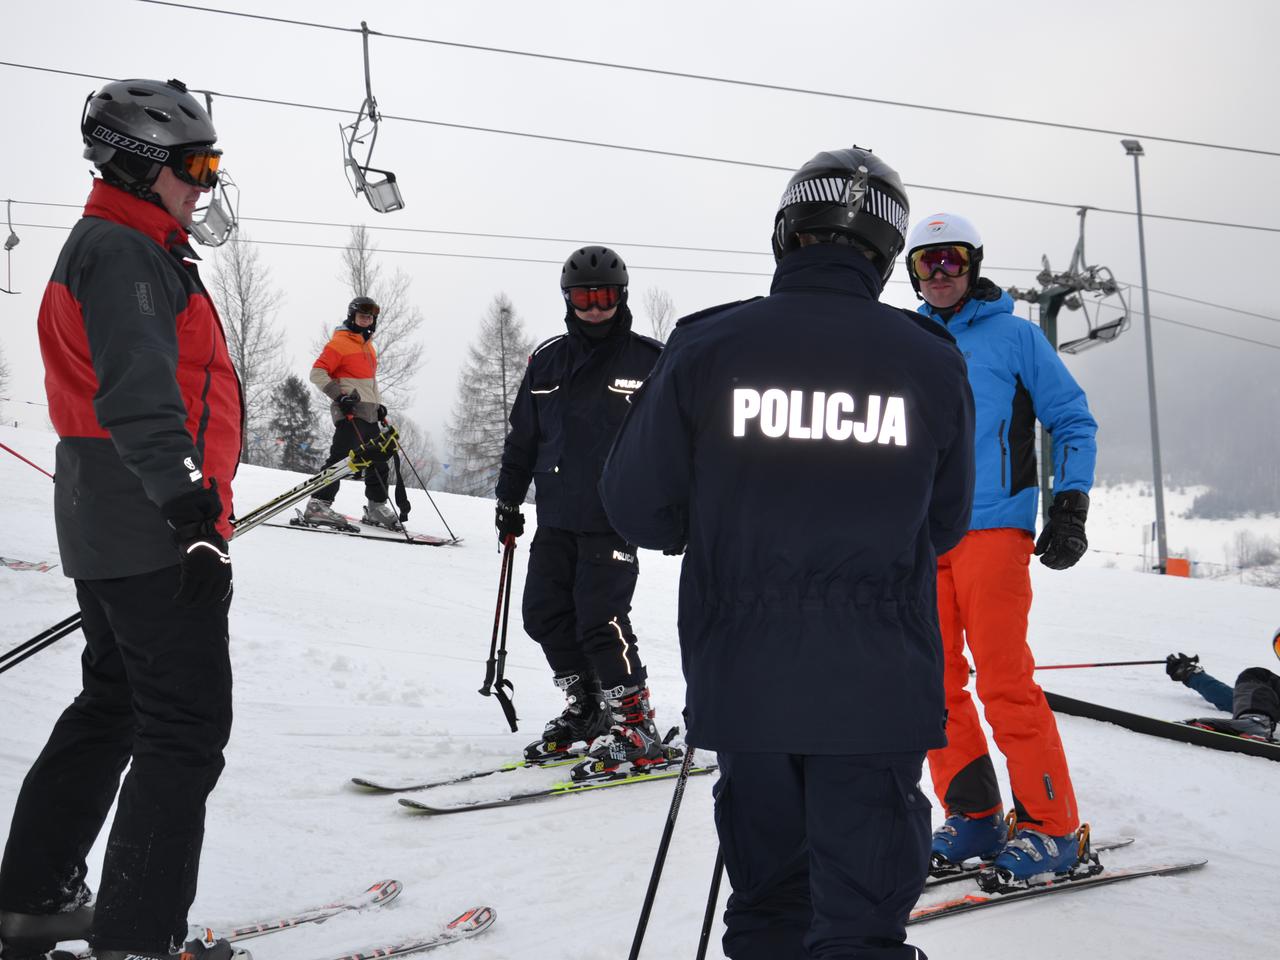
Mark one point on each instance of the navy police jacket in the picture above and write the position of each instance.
(815, 450)
(570, 404)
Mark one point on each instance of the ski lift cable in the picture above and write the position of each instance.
(729, 81)
(650, 151)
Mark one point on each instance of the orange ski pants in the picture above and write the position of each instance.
(984, 596)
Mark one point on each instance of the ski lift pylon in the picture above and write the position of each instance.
(380, 190)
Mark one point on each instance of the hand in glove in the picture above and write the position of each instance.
(1062, 542)
(675, 550)
(382, 413)
(206, 565)
(347, 403)
(1182, 668)
(509, 520)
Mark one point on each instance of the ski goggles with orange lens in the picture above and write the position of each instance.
(198, 167)
(953, 261)
(602, 298)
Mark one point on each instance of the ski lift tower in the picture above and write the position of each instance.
(1080, 287)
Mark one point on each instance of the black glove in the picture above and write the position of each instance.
(1182, 668)
(382, 413)
(509, 520)
(1062, 542)
(347, 403)
(206, 565)
(675, 550)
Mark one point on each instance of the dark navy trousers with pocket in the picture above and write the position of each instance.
(826, 854)
(577, 597)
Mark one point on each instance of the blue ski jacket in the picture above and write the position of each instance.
(815, 450)
(1017, 378)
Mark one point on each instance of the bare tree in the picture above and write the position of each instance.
(240, 285)
(487, 386)
(4, 378)
(399, 352)
(661, 310)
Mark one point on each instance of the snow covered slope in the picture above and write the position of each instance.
(357, 657)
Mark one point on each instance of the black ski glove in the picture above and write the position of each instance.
(382, 413)
(509, 520)
(206, 565)
(1182, 668)
(347, 403)
(1062, 542)
(675, 550)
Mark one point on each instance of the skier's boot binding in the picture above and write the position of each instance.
(320, 513)
(1255, 726)
(1032, 858)
(962, 838)
(632, 743)
(381, 515)
(24, 936)
(204, 946)
(582, 721)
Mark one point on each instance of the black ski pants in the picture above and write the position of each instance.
(157, 691)
(1257, 690)
(577, 595)
(826, 854)
(347, 435)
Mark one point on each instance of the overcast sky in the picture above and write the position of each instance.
(1170, 69)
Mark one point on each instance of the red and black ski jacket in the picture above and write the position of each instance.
(141, 389)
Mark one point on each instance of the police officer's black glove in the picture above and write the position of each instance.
(382, 413)
(1182, 668)
(206, 564)
(347, 403)
(509, 520)
(675, 550)
(1062, 542)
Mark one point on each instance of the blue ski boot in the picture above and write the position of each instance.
(962, 838)
(1032, 859)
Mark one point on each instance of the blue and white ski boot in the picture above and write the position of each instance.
(962, 838)
(1033, 859)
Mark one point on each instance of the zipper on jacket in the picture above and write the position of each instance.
(1000, 437)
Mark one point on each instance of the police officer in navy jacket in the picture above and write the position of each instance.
(814, 450)
(577, 596)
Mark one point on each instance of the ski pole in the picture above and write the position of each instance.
(240, 526)
(496, 666)
(14, 656)
(1082, 666)
(453, 536)
(667, 831)
(712, 897)
(26, 461)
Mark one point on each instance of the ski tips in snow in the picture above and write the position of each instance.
(468, 924)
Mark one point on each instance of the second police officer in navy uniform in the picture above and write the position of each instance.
(814, 449)
(577, 596)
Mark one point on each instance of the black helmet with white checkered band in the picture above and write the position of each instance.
(842, 196)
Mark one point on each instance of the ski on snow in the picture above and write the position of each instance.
(556, 790)
(474, 921)
(382, 786)
(980, 901)
(384, 891)
(970, 870)
(394, 536)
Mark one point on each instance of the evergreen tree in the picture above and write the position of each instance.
(293, 424)
(487, 386)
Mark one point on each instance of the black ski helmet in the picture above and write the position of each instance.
(849, 192)
(362, 305)
(133, 128)
(594, 267)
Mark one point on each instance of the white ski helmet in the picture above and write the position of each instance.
(942, 229)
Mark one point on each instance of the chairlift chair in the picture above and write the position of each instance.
(221, 214)
(10, 242)
(381, 191)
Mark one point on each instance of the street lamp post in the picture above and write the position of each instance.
(1134, 149)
